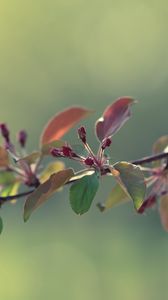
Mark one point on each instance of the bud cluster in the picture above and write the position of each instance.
(91, 160)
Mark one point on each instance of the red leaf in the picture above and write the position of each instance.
(4, 159)
(60, 124)
(114, 117)
(164, 211)
(148, 203)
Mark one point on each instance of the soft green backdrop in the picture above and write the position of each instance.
(58, 53)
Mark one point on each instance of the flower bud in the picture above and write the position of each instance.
(82, 134)
(4, 132)
(22, 137)
(67, 151)
(89, 161)
(55, 152)
(106, 143)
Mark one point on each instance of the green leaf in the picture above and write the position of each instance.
(116, 196)
(131, 179)
(82, 193)
(6, 178)
(10, 190)
(1, 225)
(45, 191)
(81, 174)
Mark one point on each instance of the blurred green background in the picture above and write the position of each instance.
(59, 53)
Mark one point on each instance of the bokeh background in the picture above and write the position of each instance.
(58, 53)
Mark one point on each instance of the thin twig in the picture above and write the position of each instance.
(149, 159)
(141, 161)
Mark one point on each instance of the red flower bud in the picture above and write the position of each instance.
(89, 161)
(106, 143)
(67, 151)
(55, 152)
(82, 134)
(22, 137)
(4, 132)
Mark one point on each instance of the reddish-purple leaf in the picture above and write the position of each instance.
(60, 124)
(114, 117)
(164, 211)
(45, 191)
(160, 146)
(4, 159)
(148, 203)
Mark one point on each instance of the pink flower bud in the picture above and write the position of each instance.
(82, 134)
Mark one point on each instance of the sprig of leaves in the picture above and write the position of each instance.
(19, 169)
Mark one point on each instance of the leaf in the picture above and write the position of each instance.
(10, 190)
(4, 158)
(60, 124)
(6, 178)
(31, 159)
(46, 148)
(116, 196)
(114, 117)
(160, 146)
(81, 174)
(45, 191)
(131, 179)
(82, 193)
(51, 169)
(1, 225)
(164, 211)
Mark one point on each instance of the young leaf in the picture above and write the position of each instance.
(4, 159)
(116, 196)
(59, 125)
(6, 178)
(52, 168)
(10, 190)
(31, 159)
(45, 191)
(82, 193)
(131, 179)
(164, 211)
(1, 225)
(114, 117)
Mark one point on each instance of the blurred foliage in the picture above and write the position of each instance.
(55, 54)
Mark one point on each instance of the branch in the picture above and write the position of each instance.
(17, 196)
(141, 161)
(151, 158)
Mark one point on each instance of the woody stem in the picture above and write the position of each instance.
(141, 161)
